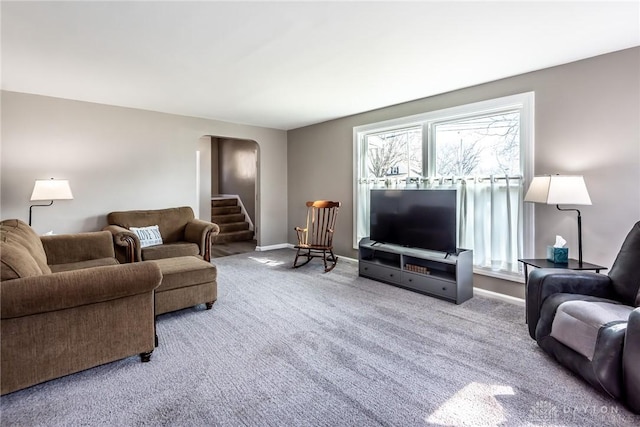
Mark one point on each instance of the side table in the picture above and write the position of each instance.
(573, 264)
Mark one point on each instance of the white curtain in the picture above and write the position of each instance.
(362, 205)
(490, 212)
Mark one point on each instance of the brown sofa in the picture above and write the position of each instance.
(182, 234)
(68, 305)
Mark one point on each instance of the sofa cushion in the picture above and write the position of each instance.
(148, 236)
(19, 232)
(74, 247)
(185, 271)
(577, 324)
(17, 261)
(99, 262)
(170, 250)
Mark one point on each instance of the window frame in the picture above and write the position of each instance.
(524, 102)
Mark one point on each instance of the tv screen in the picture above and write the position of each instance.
(415, 218)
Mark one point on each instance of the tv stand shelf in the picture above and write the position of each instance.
(445, 276)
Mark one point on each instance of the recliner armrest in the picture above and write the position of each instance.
(68, 248)
(630, 362)
(544, 282)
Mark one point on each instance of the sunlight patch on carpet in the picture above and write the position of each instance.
(474, 405)
(266, 261)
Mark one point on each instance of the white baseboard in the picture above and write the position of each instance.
(347, 258)
(501, 297)
(291, 246)
(274, 247)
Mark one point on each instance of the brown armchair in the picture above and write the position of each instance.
(68, 305)
(182, 234)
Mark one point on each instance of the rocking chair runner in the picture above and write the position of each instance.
(317, 237)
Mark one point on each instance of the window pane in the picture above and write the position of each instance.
(479, 146)
(396, 153)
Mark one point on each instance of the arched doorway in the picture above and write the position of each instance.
(232, 193)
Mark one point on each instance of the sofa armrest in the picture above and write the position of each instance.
(66, 248)
(202, 233)
(630, 365)
(57, 291)
(545, 282)
(127, 241)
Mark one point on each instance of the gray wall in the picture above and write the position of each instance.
(237, 160)
(215, 173)
(587, 117)
(120, 158)
(204, 178)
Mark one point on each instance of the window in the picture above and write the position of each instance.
(484, 150)
(478, 146)
(394, 153)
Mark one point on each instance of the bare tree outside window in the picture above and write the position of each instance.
(397, 153)
(478, 146)
(482, 146)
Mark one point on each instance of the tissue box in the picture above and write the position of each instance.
(558, 255)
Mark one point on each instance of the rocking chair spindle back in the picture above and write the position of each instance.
(316, 239)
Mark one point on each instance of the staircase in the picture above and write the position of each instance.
(232, 222)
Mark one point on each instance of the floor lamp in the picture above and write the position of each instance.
(50, 189)
(560, 190)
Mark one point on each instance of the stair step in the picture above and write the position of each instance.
(233, 226)
(225, 219)
(234, 236)
(225, 210)
(224, 202)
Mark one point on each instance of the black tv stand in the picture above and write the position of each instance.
(428, 272)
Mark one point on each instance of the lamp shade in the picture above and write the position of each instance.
(558, 190)
(51, 189)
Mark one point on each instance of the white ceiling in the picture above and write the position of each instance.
(289, 64)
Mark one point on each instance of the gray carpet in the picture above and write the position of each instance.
(284, 347)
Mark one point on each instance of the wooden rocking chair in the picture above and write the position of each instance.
(317, 237)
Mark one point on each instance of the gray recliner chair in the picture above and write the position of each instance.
(590, 322)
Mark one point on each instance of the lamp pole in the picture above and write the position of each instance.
(579, 232)
(32, 206)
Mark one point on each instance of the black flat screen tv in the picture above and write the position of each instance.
(423, 219)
